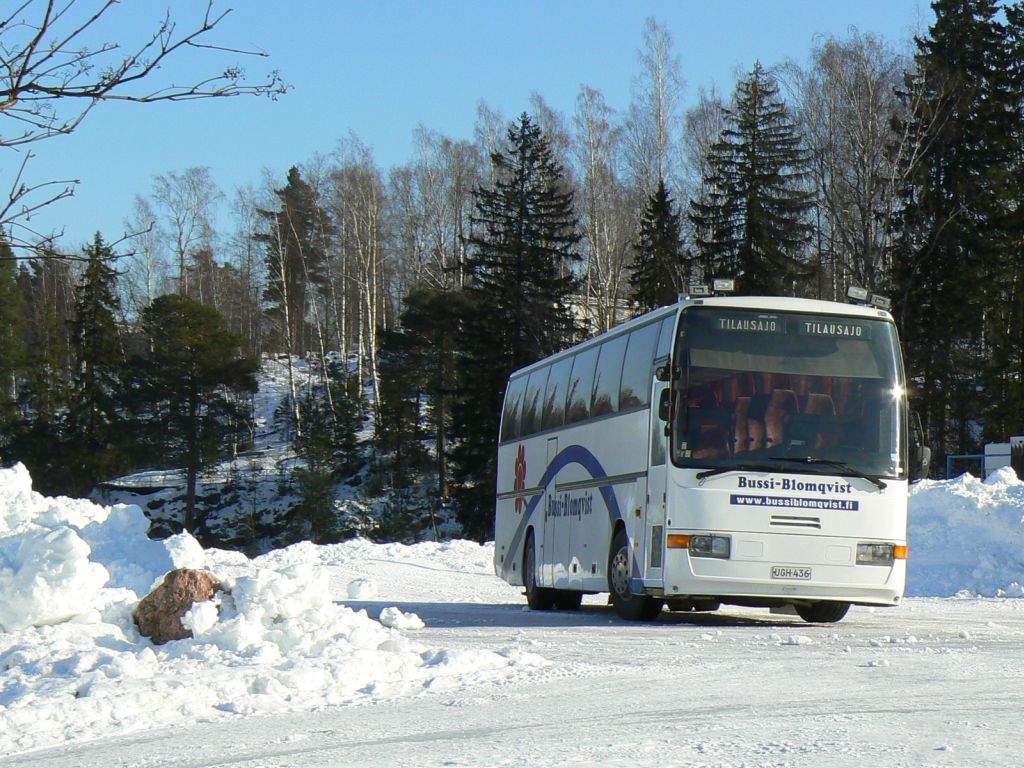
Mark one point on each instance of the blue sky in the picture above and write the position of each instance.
(381, 68)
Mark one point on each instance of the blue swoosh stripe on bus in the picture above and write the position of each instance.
(573, 454)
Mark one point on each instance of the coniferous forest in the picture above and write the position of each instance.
(413, 291)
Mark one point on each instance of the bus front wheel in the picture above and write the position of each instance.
(629, 606)
(538, 598)
(825, 612)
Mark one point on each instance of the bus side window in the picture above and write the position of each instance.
(581, 380)
(532, 402)
(554, 394)
(665, 330)
(606, 379)
(636, 370)
(510, 413)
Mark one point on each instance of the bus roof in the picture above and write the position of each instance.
(784, 304)
(749, 303)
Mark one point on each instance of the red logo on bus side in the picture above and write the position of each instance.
(519, 483)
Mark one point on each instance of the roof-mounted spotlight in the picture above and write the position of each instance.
(699, 289)
(855, 293)
(881, 302)
(723, 285)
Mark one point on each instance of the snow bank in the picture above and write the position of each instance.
(56, 555)
(967, 536)
(74, 667)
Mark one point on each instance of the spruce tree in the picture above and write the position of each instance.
(37, 437)
(314, 516)
(12, 343)
(92, 427)
(520, 269)
(952, 225)
(295, 261)
(329, 447)
(659, 269)
(523, 247)
(753, 225)
(431, 339)
(399, 428)
(1004, 289)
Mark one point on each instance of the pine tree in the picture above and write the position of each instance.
(753, 225)
(190, 389)
(951, 233)
(520, 278)
(92, 426)
(659, 270)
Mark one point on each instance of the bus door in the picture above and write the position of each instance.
(657, 479)
(556, 540)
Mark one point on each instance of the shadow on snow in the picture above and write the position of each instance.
(438, 615)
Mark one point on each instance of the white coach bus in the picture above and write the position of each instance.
(750, 451)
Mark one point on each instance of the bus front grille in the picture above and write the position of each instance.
(793, 521)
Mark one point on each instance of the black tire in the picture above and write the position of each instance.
(568, 599)
(538, 598)
(825, 612)
(629, 606)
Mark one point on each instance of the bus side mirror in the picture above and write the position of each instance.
(664, 404)
(920, 454)
(663, 373)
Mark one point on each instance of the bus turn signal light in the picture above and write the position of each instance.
(678, 541)
(900, 551)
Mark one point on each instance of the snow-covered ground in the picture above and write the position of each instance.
(393, 655)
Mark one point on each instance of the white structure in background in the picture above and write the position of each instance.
(998, 454)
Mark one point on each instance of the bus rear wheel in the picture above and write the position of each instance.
(825, 612)
(629, 606)
(538, 598)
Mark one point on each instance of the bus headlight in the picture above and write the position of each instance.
(710, 546)
(870, 553)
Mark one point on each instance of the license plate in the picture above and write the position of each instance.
(789, 572)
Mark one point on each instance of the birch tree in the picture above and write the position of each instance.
(846, 101)
(603, 207)
(186, 204)
(653, 122)
(358, 203)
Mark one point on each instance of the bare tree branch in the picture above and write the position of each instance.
(53, 73)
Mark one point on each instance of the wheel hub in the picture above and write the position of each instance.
(620, 573)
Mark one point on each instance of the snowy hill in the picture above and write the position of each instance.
(293, 635)
(248, 499)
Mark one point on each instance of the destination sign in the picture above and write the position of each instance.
(750, 324)
(834, 329)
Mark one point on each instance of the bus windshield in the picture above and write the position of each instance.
(780, 391)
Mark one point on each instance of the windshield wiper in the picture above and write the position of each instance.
(704, 475)
(841, 465)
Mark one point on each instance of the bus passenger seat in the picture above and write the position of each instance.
(741, 430)
(821, 405)
(748, 430)
(777, 415)
(708, 435)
